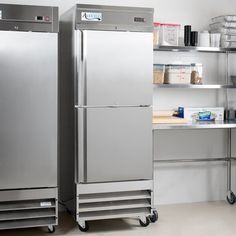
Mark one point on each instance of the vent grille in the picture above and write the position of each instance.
(114, 205)
(27, 213)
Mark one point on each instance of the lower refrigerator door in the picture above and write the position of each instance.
(116, 144)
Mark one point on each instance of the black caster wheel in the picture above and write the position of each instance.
(85, 228)
(144, 224)
(51, 229)
(154, 217)
(232, 199)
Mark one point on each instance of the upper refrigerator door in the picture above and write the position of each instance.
(114, 68)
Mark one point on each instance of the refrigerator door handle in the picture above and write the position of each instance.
(81, 145)
(82, 68)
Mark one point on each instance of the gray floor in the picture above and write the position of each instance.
(200, 219)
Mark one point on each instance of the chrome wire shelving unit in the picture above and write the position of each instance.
(197, 125)
(228, 125)
(195, 86)
(193, 49)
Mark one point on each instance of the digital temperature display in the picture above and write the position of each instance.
(139, 19)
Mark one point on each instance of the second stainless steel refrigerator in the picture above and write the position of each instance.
(28, 116)
(106, 89)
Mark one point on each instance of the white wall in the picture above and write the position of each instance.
(181, 182)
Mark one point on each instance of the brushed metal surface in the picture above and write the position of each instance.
(28, 110)
(24, 18)
(118, 144)
(114, 187)
(118, 68)
(28, 194)
(197, 125)
(115, 18)
(195, 86)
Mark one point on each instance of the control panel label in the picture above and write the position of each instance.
(91, 16)
(45, 204)
(0, 14)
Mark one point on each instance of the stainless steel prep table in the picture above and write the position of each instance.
(228, 125)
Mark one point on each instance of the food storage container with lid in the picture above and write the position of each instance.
(196, 74)
(169, 34)
(158, 73)
(178, 74)
(156, 34)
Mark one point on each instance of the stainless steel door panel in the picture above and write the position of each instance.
(118, 144)
(28, 110)
(117, 68)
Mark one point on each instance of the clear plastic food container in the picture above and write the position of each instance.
(225, 24)
(169, 34)
(158, 73)
(223, 18)
(156, 34)
(228, 44)
(228, 41)
(178, 74)
(223, 30)
(196, 74)
(226, 37)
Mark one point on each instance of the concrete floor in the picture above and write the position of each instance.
(200, 219)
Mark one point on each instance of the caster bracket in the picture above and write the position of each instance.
(51, 229)
(154, 217)
(231, 198)
(144, 221)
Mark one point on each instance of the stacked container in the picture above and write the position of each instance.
(226, 26)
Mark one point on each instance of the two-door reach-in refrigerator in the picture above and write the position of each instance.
(106, 113)
(28, 116)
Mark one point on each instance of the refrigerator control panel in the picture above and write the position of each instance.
(139, 19)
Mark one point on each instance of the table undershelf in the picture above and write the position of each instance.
(197, 125)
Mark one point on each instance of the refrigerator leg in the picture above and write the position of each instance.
(231, 198)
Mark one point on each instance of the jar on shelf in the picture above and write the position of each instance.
(196, 74)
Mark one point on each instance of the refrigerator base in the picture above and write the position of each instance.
(27, 208)
(128, 199)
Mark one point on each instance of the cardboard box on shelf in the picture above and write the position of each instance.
(201, 113)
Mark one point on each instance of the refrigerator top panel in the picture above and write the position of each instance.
(29, 18)
(98, 17)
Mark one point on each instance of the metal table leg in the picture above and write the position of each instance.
(231, 198)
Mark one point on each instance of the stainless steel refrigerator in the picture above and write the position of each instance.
(107, 61)
(28, 116)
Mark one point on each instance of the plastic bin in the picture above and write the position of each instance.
(224, 18)
(169, 34)
(158, 73)
(178, 74)
(228, 44)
